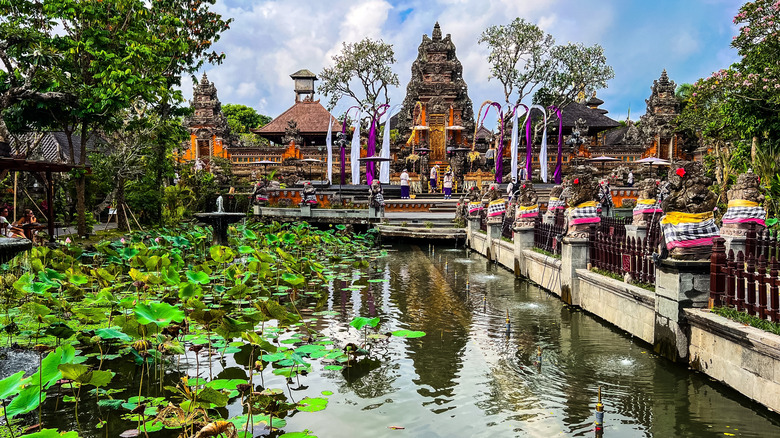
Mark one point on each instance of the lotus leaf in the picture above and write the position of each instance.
(197, 277)
(112, 333)
(161, 314)
(312, 404)
(28, 399)
(51, 433)
(303, 434)
(408, 334)
(361, 321)
(11, 385)
(293, 279)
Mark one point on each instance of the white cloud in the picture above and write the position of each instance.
(269, 40)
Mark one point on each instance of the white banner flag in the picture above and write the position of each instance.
(354, 153)
(329, 146)
(543, 149)
(384, 167)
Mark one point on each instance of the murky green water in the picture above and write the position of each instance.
(469, 378)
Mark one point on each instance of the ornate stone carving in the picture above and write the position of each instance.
(527, 209)
(644, 211)
(688, 224)
(292, 134)
(744, 210)
(436, 73)
(581, 191)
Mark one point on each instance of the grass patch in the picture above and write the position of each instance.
(483, 232)
(607, 274)
(744, 318)
(506, 239)
(547, 253)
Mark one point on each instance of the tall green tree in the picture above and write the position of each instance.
(95, 59)
(736, 108)
(242, 118)
(526, 61)
(361, 71)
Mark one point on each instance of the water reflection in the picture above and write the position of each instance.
(468, 377)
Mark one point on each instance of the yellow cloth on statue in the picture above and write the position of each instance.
(646, 202)
(586, 204)
(530, 207)
(676, 218)
(742, 203)
(553, 198)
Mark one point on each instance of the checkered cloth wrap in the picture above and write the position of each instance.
(647, 206)
(741, 211)
(585, 213)
(475, 208)
(527, 211)
(685, 230)
(309, 199)
(555, 204)
(496, 208)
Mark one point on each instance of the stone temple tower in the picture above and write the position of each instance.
(437, 83)
(658, 123)
(209, 131)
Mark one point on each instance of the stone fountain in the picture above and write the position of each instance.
(219, 221)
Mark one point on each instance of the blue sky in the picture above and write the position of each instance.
(269, 40)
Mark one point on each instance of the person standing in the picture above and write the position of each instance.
(404, 184)
(447, 184)
(605, 198)
(510, 189)
(434, 177)
(630, 180)
(490, 158)
(4, 224)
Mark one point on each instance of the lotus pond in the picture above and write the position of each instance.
(294, 332)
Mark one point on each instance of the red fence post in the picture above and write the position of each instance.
(774, 290)
(762, 287)
(740, 271)
(750, 278)
(717, 276)
(731, 281)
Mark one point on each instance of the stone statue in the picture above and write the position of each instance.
(619, 175)
(475, 202)
(688, 223)
(744, 209)
(260, 193)
(309, 194)
(527, 207)
(495, 204)
(648, 208)
(554, 204)
(581, 190)
(376, 198)
(461, 211)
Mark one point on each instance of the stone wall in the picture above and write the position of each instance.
(627, 306)
(672, 319)
(744, 358)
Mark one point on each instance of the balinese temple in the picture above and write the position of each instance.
(208, 127)
(437, 101)
(655, 136)
(659, 122)
(307, 117)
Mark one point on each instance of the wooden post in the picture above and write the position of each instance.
(774, 290)
(762, 287)
(717, 275)
(750, 277)
(740, 274)
(50, 204)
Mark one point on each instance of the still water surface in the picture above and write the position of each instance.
(470, 378)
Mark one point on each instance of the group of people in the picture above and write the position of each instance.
(447, 182)
(17, 228)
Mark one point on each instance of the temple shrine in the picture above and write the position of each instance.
(437, 111)
(209, 132)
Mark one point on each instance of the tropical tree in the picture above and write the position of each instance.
(362, 71)
(736, 108)
(527, 62)
(91, 60)
(242, 118)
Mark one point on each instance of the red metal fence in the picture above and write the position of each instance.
(548, 236)
(750, 284)
(612, 251)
